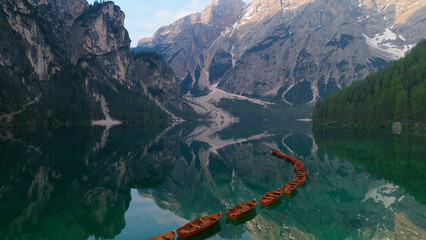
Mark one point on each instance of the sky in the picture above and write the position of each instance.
(144, 17)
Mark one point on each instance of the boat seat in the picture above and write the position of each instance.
(195, 225)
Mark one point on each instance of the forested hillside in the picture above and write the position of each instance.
(395, 93)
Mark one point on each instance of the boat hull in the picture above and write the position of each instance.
(289, 187)
(270, 197)
(281, 155)
(165, 236)
(196, 226)
(303, 171)
(243, 209)
(300, 179)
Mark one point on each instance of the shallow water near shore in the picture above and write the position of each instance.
(133, 183)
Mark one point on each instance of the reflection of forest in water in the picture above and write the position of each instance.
(75, 183)
(399, 159)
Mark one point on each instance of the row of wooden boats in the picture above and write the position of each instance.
(298, 165)
(288, 188)
(203, 224)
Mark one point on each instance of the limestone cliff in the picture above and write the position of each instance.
(189, 44)
(101, 36)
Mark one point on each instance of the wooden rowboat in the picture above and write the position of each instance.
(165, 236)
(270, 197)
(281, 155)
(289, 187)
(298, 165)
(277, 154)
(303, 171)
(198, 225)
(241, 210)
(300, 178)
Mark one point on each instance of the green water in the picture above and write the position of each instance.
(133, 183)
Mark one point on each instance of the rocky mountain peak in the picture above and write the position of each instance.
(259, 9)
(403, 9)
(288, 5)
(100, 33)
(223, 11)
(103, 31)
(68, 10)
(218, 14)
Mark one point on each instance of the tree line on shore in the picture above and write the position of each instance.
(396, 93)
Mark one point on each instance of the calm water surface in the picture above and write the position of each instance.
(133, 183)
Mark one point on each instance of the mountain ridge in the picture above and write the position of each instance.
(276, 50)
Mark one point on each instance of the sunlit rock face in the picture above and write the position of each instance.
(100, 37)
(189, 43)
(293, 51)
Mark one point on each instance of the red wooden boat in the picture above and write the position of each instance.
(165, 236)
(298, 165)
(283, 155)
(303, 171)
(241, 210)
(289, 187)
(198, 225)
(270, 197)
(293, 159)
(300, 179)
(277, 153)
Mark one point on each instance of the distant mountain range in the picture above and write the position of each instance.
(292, 52)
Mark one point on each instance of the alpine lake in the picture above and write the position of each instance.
(133, 183)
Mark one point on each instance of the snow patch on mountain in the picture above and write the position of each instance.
(385, 43)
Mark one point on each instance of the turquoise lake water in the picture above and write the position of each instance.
(133, 183)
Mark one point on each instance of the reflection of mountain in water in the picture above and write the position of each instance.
(75, 183)
(64, 186)
(339, 200)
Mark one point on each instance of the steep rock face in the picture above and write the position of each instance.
(189, 43)
(101, 45)
(33, 42)
(68, 55)
(37, 29)
(297, 51)
(101, 36)
(156, 79)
